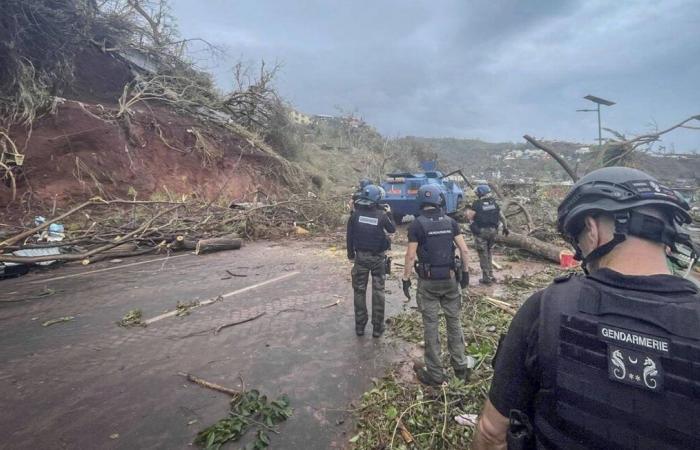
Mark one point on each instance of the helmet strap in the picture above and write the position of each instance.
(637, 224)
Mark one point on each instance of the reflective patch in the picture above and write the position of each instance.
(486, 207)
(369, 220)
(435, 233)
(634, 368)
(643, 342)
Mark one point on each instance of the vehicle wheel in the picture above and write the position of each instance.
(398, 218)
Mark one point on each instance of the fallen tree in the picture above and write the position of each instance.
(531, 245)
(123, 228)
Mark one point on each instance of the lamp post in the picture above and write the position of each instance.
(598, 101)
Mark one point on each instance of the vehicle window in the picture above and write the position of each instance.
(412, 187)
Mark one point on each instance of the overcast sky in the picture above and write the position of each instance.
(486, 69)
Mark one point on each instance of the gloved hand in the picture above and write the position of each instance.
(464, 281)
(351, 255)
(407, 288)
(506, 232)
(387, 208)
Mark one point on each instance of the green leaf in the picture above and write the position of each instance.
(391, 413)
(210, 440)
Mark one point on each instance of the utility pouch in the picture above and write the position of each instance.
(423, 270)
(520, 435)
(458, 268)
(387, 265)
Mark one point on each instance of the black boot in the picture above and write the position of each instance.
(463, 374)
(485, 281)
(425, 378)
(378, 331)
(359, 330)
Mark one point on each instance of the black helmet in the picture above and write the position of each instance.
(619, 191)
(430, 194)
(616, 189)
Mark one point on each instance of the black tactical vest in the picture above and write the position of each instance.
(620, 368)
(368, 230)
(487, 212)
(436, 255)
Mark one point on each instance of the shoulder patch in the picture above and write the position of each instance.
(563, 278)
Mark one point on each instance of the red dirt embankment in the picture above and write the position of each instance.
(74, 154)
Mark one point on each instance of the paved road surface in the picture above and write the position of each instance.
(74, 384)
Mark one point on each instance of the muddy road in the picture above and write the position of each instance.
(88, 383)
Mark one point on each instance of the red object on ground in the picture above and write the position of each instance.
(566, 259)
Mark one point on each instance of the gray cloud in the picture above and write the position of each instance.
(484, 69)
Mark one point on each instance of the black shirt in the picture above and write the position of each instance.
(416, 232)
(517, 374)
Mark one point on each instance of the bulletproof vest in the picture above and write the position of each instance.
(620, 368)
(436, 254)
(368, 230)
(487, 212)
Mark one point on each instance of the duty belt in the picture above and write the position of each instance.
(372, 252)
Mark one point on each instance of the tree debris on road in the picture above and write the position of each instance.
(209, 385)
(48, 323)
(132, 319)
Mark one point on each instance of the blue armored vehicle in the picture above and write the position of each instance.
(401, 189)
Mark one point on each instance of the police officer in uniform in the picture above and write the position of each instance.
(367, 242)
(609, 360)
(364, 182)
(485, 214)
(432, 237)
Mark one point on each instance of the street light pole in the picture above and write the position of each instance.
(598, 101)
(600, 132)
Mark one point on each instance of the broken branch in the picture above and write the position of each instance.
(210, 385)
(250, 319)
(553, 154)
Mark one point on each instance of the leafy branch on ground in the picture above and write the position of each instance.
(132, 319)
(250, 410)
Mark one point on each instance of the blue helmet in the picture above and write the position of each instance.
(482, 190)
(430, 194)
(372, 193)
(365, 182)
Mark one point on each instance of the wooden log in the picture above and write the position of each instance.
(532, 245)
(217, 244)
(182, 243)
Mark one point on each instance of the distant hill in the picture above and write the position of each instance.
(521, 161)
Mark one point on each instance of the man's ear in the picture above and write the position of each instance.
(590, 235)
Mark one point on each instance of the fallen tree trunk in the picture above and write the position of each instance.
(531, 244)
(217, 244)
(181, 243)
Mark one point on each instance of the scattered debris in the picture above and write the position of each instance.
(46, 292)
(183, 309)
(443, 417)
(114, 436)
(235, 274)
(48, 323)
(210, 385)
(248, 410)
(250, 319)
(132, 319)
(467, 420)
(330, 305)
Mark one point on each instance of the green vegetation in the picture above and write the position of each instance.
(248, 410)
